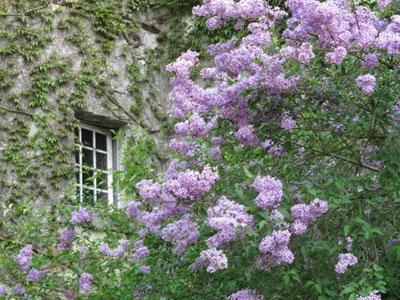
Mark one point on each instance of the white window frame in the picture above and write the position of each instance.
(110, 167)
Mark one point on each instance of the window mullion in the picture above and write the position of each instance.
(80, 167)
(109, 170)
(94, 168)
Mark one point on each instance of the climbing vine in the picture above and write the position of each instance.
(55, 54)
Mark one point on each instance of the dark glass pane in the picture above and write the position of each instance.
(77, 176)
(102, 181)
(87, 177)
(102, 199)
(88, 197)
(78, 193)
(101, 141)
(87, 157)
(87, 137)
(101, 161)
(77, 157)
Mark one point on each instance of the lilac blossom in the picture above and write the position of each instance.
(3, 290)
(66, 239)
(288, 123)
(192, 184)
(24, 257)
(345, 260)
(276, 150)
(211, 258)
(70, 295)
(275, 250)
(267, 144)
(370, 61)
(374, 295)
(182, 65)
(144, 269)
(336, 56)
(195, 126)
(186, 148)
(366, 83)
(18, 289)
(149, 191)
(132, 209)
(269, 190)
(246, 295)
(304, 215)
(227, 218)
(119, 252)
(181, 233)
(246, 136)
(383, 3)
(34, 275)
(85, 283)
(141, 251)
(82, 215)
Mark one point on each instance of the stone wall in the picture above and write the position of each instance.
(58, 67)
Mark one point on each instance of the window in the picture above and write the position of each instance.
(94, 165)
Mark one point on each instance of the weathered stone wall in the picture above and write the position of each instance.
(62, 64)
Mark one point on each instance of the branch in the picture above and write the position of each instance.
(26, 12)
(135, 43)
(354, 162)
(5, 109)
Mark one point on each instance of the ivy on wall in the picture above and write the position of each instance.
(40, 91)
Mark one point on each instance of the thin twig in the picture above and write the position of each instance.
(5, 109)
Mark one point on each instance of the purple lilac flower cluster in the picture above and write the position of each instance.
(3, 290)
(211, 258)
(85, 283)
(181, 233)
(184, 147)
(141, 251)
(18, 289)
(304, 215)
(119, 252)
(345, 260)
(246, 295)
(366, 83)
(275, 250)
(195, 126)
(374, 295)
(82, 215)
(269, 190)
(192, 184)
(336, 56)
(247, 136)
(24, 257)
(66, 239)
(34, 275)
(149, 190)
(287, 123)
(226, 217)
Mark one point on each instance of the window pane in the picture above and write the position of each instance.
(102, 182)
(101, 141)
(87, 177)
(77, 157)
(102, 198)
(101, 161)
(77, 176)
(88, 197)
(87, 158)
(87, 137)
(78, 193)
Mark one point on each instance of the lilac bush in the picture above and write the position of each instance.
(290, 105)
